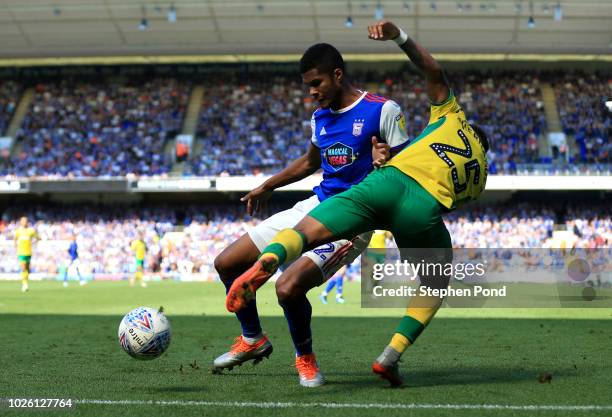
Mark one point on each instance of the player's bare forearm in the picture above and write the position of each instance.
(301, 168)
(437, 84)
(294, 172)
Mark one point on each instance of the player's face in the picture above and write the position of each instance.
(23, 221)
(323, 87)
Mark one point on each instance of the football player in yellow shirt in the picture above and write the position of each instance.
(376, 254)
(139, 248)
(25, 235)
(441, 168)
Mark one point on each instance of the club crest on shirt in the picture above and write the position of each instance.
(357, 126)
(339, 155)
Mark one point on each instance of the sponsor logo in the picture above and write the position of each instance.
(323, 131)
(339, 155)
(401, 121)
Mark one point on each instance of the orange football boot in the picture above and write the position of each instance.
(244, 287)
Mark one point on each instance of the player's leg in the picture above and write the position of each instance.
(77, 266)
(230, 263)
(24, 264)
(307, 272)
(252, 344)
(343, 216)
(234, 261)
(421, 309)
(65, 277)
(140, 272)
(328, 288)
(340, 286)
(291, 289)
(421, 235)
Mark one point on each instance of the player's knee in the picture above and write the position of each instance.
(287, 290)
(223, 265)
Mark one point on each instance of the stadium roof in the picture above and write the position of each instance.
(57, 28)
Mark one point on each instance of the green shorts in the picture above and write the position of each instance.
(25, 258)
(386, 199)
(140, 262)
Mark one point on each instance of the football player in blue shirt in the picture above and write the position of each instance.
(73, 252)
(352, 132)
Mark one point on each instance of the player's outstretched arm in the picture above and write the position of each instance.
(301, 168)
(437, 84)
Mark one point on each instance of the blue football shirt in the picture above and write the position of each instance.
(344, 138)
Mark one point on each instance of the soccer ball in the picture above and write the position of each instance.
(144, 333)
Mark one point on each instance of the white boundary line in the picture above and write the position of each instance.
(378, 406)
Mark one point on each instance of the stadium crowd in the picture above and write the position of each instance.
(111, 128)
(10, 92)
(186, 240)
(582, 100)
(257, 122)
(251, 126)
(507, 105)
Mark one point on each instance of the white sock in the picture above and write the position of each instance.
(252, 340)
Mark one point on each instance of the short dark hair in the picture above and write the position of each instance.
(482, 136)
(323, 57)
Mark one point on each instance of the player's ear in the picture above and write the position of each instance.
(338, 76)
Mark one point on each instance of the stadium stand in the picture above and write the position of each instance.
(9, 95)
(507, 105)
(251, 128)
(584, 116)
(186, 240)
(118, 128)
(110, 128)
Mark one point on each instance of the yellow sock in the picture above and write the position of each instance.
(419, 313)
(286, 245)
(399, 342)
(25, 275)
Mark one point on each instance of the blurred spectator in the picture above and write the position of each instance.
(581, 98)
(255, 123)
(107, 129)
(187, 240)
(252, 125)
(10, 91)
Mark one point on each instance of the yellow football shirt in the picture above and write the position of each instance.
(446, 159)
(24, 237)
(139, 248)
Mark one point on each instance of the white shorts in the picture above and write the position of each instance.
(329, 257)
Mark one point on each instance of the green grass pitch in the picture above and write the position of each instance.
(62, 343)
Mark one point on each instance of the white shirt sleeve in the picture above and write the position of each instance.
(393, 125)
(313, 127)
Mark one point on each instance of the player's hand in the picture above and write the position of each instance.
(383, 30)
(381, 152)
(256, 199)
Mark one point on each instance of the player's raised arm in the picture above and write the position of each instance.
(437, 84)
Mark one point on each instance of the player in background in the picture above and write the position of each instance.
(139, 248)
(335, 281)
(440, 169)
(376, 254)
(25, 236)
(73, 252)
(344, 145)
